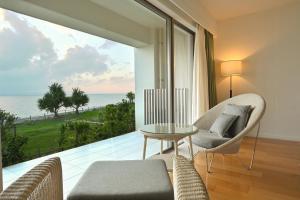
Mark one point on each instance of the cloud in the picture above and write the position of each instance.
(23, 46)
(80, 60)
(94, 83)
(29, 62)
(118, 78)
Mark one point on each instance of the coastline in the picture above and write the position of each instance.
(20, 120)
(25, 108)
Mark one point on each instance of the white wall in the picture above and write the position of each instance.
(198, 13)
(150, 70)
(187, 12)
(144, 79)
(268, 43)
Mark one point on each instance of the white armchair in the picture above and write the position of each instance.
(207, 142)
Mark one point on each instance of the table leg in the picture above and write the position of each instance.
(161, 146)
(176, 147)
(191, 148)
(145, 147)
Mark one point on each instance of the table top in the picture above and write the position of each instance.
(169, 129)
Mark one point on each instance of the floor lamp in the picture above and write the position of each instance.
(231, 68)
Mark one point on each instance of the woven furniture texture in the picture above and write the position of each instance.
(43, 182)
(188, 184)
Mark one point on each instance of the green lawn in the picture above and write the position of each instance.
(43, 134)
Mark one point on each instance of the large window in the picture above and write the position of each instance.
(60, 88)
(132, 46)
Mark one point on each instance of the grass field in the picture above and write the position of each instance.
(43, 134)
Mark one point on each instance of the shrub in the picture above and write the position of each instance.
(81, 130)
(7, 121)
(117, 119)
(12, 150)
(62, 139)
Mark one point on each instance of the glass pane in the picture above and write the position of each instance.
(183, 78)
(150, 40)
(151, 65)
(144, 27)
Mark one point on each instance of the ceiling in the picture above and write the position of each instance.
(226, 9)
(133, 11)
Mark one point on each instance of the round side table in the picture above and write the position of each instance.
(169, 132)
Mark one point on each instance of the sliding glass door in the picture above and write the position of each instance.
(167, 70)
(152, 66)
(183, 73)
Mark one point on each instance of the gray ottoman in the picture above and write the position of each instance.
(124, 180)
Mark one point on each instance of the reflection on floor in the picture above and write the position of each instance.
(75, 161)
(275, 173)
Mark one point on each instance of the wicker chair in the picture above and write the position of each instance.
(188, 184)
(230, 145)
(43, 182)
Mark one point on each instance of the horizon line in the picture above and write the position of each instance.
(66, 94)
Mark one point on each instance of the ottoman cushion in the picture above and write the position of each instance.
(122, 180)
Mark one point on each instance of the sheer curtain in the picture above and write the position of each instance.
(212, 90)
(183, 73)
(200, 99)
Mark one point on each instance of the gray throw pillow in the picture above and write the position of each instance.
(222, 124)
(243, 112)
(249, 115)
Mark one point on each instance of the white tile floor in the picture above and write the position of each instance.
(75, 161)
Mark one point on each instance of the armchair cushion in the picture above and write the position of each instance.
(242, 111)
(222, 124)
(126, 180)
(207, 140)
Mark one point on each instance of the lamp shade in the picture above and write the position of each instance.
(231, 67)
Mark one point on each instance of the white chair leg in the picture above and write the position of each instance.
(145, 147)
(254, 148)
(191, 148)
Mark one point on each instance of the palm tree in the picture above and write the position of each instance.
(78, 99)
(53, 100)
(130, 96)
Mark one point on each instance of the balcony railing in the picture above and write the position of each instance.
(75, 161)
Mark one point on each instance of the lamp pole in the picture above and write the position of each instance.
(231, 68)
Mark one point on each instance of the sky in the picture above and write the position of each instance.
(35, 53)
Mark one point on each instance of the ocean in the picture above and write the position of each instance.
(26, 106)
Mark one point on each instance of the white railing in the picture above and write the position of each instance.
(156, 106)
(180, 106)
